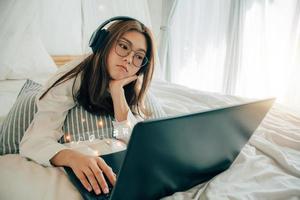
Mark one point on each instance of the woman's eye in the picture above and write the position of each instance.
(123, 46)
(140, 57)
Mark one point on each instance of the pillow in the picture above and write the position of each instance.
(79, 124)
(22, 53)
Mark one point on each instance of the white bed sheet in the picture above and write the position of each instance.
(267, 168)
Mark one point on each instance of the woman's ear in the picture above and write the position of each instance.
(138, 73)
(141, 71)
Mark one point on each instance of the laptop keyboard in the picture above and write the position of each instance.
(103, 196)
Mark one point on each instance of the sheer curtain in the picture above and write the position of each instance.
(198, 43)
(168, 7)
(22, 52)
(60, 26)
(247, 48)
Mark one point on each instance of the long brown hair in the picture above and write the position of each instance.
(93, 94)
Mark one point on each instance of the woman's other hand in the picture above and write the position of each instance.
(89, 170)
(116, 86)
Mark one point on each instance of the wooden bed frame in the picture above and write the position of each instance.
(63, 59)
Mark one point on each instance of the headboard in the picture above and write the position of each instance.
(63, 59)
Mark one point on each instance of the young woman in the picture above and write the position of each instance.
(113, 79)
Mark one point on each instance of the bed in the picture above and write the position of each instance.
(268, 167)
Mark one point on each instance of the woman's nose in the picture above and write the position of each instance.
(129, 58)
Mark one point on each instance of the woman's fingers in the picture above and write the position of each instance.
(118, 84)
(100, 178)
(107, 171)
(91, 177)
(81, 176)
(129, 79)
(90, 173)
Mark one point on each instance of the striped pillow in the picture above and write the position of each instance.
(18, 118)
(79, 124)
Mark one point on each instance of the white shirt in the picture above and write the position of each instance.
(40, 139)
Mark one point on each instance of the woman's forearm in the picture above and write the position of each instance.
(116, 90)
(62, 158)
(121, 107)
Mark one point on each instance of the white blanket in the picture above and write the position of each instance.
(267, 168)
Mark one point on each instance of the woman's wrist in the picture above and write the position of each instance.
(121, 107)
(116, 92)
(62, 158)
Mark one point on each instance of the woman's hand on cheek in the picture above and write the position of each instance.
(120, 104)
(116, 86)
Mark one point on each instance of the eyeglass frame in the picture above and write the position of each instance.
(145, 59)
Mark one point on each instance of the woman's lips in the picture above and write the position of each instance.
(124, 68)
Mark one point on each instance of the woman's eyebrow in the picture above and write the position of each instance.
(132, 44)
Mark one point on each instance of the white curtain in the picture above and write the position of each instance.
(198, 43)
(248, 48)
(60, 26)
(168, 7)
(22, 53)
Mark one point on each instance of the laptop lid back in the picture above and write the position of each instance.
(173, 154)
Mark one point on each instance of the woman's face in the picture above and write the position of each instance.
(126, 54)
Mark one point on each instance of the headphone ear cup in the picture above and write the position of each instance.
(98, 40)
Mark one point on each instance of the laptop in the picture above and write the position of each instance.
(173, 154)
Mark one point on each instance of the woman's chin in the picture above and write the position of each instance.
(118, 77)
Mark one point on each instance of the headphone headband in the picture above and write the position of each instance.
(98, 36)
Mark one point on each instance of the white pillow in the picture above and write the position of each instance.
(22, 53)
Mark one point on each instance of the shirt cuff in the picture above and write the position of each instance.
(123, 129)
(42, 155)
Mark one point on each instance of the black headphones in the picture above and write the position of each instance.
(99, 36)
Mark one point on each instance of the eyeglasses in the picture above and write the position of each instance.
(123, 49)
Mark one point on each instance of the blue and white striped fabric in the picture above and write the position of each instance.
(18, 118)
(79, 124)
